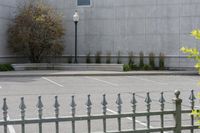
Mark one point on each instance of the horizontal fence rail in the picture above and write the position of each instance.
(177, 113)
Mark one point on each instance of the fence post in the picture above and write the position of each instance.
(57, 105)
(192, 101)
(177, 116)
(22, 107)
(89, 107)
(119, 110)
(104, 103)
(5, 114)
(148, 104)
(40, 111)
(133, 102)
(162, 106)
(73, 109)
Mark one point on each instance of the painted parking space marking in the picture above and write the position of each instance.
(109, 83)
(10, 127)
(148, 80)
(53, 82)
(137, 121)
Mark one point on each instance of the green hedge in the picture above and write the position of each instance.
(6, 67)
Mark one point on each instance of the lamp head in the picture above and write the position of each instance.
(76, 16)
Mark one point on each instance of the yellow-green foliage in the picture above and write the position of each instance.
(194, 53)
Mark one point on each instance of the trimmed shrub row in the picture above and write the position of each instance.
(141, 66)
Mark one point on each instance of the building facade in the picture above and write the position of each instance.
(120, 25)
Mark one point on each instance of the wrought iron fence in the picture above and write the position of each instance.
(177, 113)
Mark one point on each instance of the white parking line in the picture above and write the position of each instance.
(10, 127)
(0, 87)
(143, 79)
(139, 122)
(53, 82)
(112, 84)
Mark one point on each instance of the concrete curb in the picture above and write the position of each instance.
(92, 73)
(68, 67)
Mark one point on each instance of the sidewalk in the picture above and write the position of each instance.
(90, 73)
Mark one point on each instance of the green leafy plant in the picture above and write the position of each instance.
(98, 57)
(194, 54)
(108, 57)
(88, 58)
(161, 61)
(147, 67)
(130, 58)
(119, 57)
(6, 67)
(134, 67)
(131, 61)
(36, 31)
(152, 60)
(126, 67)
(141, 63)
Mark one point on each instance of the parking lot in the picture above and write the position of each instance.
(65, 86)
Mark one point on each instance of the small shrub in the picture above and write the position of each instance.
(126, 67)
(134, 67)
(88, 58)
(6, 67)
(147, 67)
(70, 59)
(108, 57)
(119, 57)
(130, 58)
(131, 61)
(152, 60)
(98, 57)
(161, 61)
(141, 63)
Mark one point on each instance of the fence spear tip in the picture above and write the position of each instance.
(192, 96)
(104, 102)
(73, 104)
(56, 104)
(5, 106)
(133, 101)
(162, 99)
(119, 100)
(40, 104)
(22, 105)
(148, 99)
(88, 103)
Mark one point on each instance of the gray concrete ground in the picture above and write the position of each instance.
(65, 86)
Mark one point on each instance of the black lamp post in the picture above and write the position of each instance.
(76, 19)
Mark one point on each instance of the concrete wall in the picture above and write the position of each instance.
(124, 25)
(6, 13)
